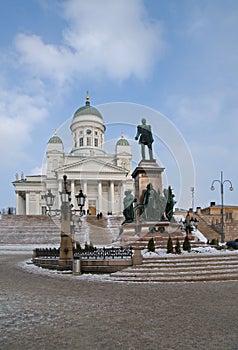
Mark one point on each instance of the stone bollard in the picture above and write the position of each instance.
(137, 257)
(76, 266)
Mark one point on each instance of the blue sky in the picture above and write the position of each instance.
(176, 57)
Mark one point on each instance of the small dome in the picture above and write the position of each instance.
(55, 139)
(122, 141)
(87, 109)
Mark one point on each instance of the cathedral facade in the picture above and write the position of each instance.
(102, 177)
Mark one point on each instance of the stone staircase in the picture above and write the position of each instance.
(214, 222)
(161, 240)
(182, 268)
(30, 229)
(39, 229)
(206, 228)
(101, 231)
(128, 237)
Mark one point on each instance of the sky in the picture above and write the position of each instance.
(176, 60)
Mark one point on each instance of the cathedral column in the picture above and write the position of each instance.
(20, 205)
(85, 192)
(99, 196)
(27, 203)
(59, 190)
(112, 197)
(72, 189)
(18, 211)
(122, 195)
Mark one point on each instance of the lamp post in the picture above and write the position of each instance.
(49, 199)
(67, 223)
(80, 201)
(192, 191)
(189, 224)
(65, 195)
(222, 182)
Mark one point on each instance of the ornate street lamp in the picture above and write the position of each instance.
(189, 224)
(65, 195)
(80, 201)
(49, 199)
(221, 182)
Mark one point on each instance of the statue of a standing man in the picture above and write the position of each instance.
(146, 138)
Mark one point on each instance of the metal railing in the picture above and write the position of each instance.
(47, 253)
(93, 253)
(105, 253)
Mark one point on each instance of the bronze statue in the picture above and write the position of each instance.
(170, 203)
(161, 205)
(128, 211)
(145, 137)
(156, 207)
(149, 203)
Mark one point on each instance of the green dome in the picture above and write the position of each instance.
(87, 109)
(122, 141)
(55, 139)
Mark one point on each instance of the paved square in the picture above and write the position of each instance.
(41, 312)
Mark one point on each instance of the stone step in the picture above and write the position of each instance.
(190, 258)
(205, 228)
(177, 279)
(194, 265)
(181, 272)
(143, 244)
(182, 269)
(34, 229)
(135, 272)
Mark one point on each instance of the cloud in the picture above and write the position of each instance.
(107, 37)
(44, 60)
(19, 113)
(209, 125)
(39, 170)
(205, 114)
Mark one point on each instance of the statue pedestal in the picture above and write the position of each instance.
(146, 172)
(139, 229)
(134, 233)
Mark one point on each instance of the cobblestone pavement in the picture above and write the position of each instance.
(41, 312)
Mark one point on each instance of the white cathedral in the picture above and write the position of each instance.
(102, 177)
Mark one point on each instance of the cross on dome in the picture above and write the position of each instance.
(87, 99)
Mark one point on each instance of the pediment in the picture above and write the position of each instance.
(92, 166)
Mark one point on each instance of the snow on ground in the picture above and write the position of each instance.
(194, 251)
(31, 268)
(23, 248)
(28, 249)
(199, 236)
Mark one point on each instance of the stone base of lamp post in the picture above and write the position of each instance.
(66, 244)
(66, 252)
(66, 247)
